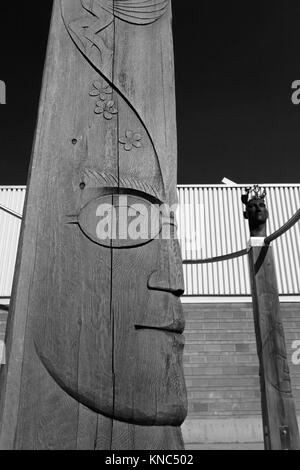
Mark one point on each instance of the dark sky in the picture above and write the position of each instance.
(235, 62)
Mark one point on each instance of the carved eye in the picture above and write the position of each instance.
(120, 220)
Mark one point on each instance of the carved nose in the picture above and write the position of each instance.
(168, 277)
(163, 312)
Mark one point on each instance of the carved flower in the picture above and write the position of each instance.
(131, 139)
(101, 91)
(107, 108)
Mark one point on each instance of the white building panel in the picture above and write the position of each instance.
(11, 199)
(213, 225)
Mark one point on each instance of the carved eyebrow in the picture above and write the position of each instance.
(96, 179)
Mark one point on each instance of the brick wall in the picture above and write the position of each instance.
(220, 360)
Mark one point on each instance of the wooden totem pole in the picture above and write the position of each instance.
(280, 426)
(94, 339)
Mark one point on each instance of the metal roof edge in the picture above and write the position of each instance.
(12, 187)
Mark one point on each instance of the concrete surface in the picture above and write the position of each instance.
(223, 431)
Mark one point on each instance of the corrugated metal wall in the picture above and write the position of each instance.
(211, 223)
(13, 199)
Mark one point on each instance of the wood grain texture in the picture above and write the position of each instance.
(278, 408)
(95, 331)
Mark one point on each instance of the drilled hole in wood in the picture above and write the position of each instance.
(74, 141)
(82, 185)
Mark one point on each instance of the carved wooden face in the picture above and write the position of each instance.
(130, 337)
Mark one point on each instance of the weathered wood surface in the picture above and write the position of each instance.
(278, 408)
(94, 336)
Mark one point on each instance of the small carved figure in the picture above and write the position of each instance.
(256, 211)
